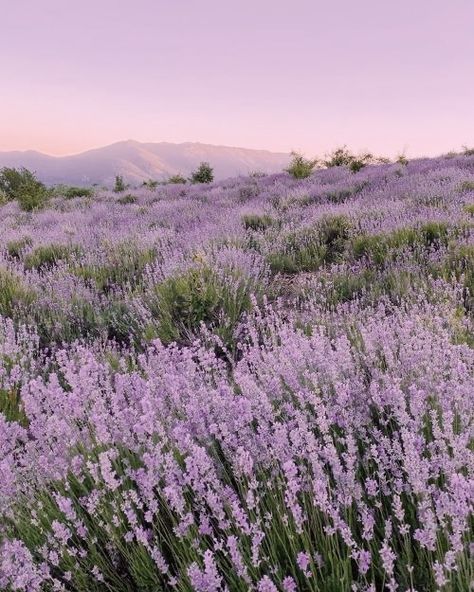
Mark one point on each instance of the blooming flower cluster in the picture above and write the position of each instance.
(265, 384)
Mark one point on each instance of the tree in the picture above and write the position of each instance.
(22, 185)
(203, 174)
(119, 184)
(301, 167)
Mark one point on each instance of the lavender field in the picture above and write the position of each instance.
(259, 384)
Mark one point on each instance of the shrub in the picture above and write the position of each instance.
(203, 174)
(119, 184)
(257, 222)
(200, 295)
(343, 157)
(178, 178)
(73, 192)
(301, 167)
(469, 209)
(402, 159)
(47, 256)
(23, 186)
(127, 199)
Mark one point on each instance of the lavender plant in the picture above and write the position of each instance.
(262, 384)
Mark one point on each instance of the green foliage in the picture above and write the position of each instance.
(12, 181)
(127, 199)
(14, 296)
(11, 407)
(372, 246)
(343, 157)
(382, 248)
(124, 264)
(178, 178)
(200, 295)
(309, 248)
(257, 222)
(203, 174)
(434, 233)
(119, 184)
(73, 192)
(402, 159)
(301, 167)
(48, 256)
(459, 263)
(469, 209)
(23, 186)
(15, 248)
(119, 322)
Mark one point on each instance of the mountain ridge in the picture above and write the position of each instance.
(139, 161)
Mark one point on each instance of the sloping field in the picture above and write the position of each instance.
(262, 384)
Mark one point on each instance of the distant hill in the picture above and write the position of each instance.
(137, 161)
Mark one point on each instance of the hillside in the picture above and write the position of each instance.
(263, 384)
(138, 162)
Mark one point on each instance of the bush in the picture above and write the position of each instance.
(177, 179)
(72, 192)
(343, 157)
(301, 167)
(119, 184)
(23, 186)
(204, 174)
(200, 295)
(469, 209)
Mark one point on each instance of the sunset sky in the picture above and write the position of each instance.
(307, 74)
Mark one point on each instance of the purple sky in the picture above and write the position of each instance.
(306, 74)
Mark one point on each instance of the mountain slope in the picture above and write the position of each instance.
(137, 161)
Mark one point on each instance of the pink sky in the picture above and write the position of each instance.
(306, 74)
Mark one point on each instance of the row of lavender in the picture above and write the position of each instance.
(263, 384)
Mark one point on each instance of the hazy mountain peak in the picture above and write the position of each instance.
(138, 161)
